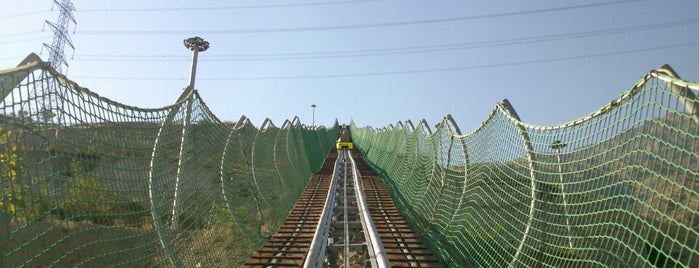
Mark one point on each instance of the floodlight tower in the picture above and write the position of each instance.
(196, 45)
(61, 37)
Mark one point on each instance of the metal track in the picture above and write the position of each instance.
(403, 246)
(290, 246)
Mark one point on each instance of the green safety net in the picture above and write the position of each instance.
(617, 188)
(89, 182)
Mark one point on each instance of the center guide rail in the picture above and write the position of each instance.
(332, 226)
(338, 230)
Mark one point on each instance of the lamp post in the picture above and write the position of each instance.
(196, 45)
(313, 106)
(558, 145)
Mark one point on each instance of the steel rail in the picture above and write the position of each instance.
(358, 194)
(377, 253)
(319, 243)
(345, 211)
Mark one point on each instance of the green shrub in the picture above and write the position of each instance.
(20, 199)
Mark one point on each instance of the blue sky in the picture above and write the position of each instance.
(377, 62)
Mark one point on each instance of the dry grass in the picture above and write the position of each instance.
(68, 244)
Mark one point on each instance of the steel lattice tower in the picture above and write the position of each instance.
(61, 37)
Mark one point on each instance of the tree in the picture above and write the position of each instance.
(47, 114)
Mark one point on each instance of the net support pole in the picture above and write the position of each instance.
(195, 44)
(445, 168)
(10, 80)
(510, 111)
(557, 145)
(222, 173)
(464, 153)
(153, 193)
(176, 203)
(686, 96)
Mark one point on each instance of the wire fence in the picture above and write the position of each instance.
(617, 188)
(89, 182)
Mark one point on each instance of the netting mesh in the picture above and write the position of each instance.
(88, 182)
(618, 188)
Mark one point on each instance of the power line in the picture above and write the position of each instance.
(417, 71)
(24, 14)
(226, 7)
(23, 40)
(11, 58)
(20, 34)
(393, 51)
(346, 27)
